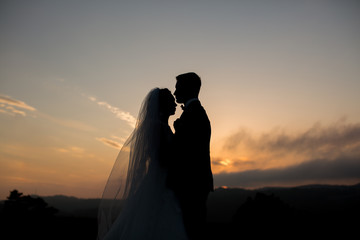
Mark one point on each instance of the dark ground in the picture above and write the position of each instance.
(281, 213)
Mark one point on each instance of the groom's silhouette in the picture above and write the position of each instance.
(190, 173)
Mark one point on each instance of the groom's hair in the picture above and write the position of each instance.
(190, 81)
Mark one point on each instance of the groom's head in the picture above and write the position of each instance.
(187, 87)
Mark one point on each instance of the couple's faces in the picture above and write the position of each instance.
(179, 93)
(171, 104)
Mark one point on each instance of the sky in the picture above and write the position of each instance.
(280, 84)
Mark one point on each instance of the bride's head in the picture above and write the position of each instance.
(167, 105)
(159, 104)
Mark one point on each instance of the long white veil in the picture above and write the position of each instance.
(132, 165)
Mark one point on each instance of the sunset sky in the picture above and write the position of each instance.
(281, 86)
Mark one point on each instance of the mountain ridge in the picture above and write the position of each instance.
(223, 202)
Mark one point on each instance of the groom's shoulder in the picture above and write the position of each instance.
(199, 111)
(201, 108)
(196, 107)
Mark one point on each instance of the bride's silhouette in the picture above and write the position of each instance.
(139, 205)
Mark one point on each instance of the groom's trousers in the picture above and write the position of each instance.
(194, 214)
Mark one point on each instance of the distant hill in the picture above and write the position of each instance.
(223, 202)
(313, 211)
(72, 206)
(315, 199)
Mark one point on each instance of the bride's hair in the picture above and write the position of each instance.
(165, 98)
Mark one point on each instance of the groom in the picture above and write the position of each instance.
(190, 174)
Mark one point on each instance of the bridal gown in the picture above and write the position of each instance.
(153, 212)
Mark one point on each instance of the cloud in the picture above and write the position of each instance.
(92, 99)
(9, 106)
(226, 162)
(317, 154)
(15, 107)
(316, 142)
(125, 116)
(111, 143)
(13, 110)
(342, 169)
(339, 134)
(8, 100)
(74, 151)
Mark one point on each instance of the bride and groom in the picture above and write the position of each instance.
(160, 181)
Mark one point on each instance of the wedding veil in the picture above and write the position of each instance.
(132, 163)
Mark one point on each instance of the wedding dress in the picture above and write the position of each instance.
(136, 203)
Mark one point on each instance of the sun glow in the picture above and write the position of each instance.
(225, 162)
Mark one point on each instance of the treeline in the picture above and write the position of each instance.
(28, 217)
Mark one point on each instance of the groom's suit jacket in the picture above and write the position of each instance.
(191, 169)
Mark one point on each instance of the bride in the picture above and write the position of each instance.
(136, 203)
